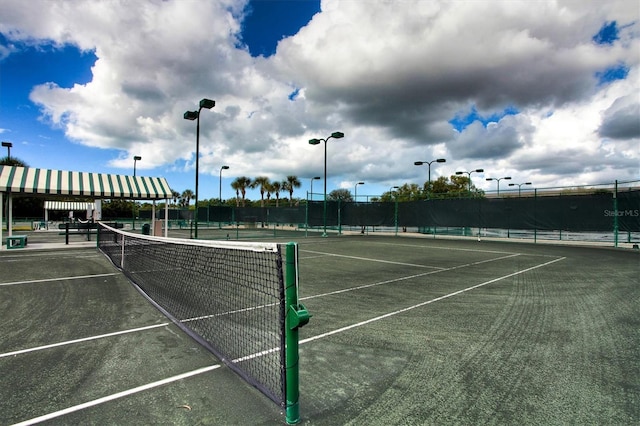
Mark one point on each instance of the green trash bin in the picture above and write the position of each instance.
(145, 229)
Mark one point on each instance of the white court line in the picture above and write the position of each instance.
(303, 341)
(47, 254)
(446, 296)
(368, 259)
(79, 277)
(459, 249)
(408, 277)
(312, 257)
(117, 396)
(83, 339)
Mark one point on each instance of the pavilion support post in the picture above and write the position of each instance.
(10, 215)
(1, 209)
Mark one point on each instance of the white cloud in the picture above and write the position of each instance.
(388, 74)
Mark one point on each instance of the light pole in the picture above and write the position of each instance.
(306, 210)
(312, 179)
(355, 196)
(195, 115)
(519, 185)
(7, 145)
(136, 158)
(395, 207)
(220, 193)
(420, 163)
(335, 135)
(469, 174)
(498, 180)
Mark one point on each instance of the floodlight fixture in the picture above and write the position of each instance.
(7, 145)
(191, 115)
(498, 180)
(519, 185)
(220, 182)
(195, 115)
(428, 163)
(207, 103)
(316, 141)
(355, 196)
(469, 174)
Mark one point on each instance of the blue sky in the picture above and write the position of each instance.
(547, 97)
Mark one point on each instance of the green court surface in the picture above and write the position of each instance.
(405, 330)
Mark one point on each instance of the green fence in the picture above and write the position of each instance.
(536, 214)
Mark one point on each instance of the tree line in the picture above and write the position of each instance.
(455, 186)
(442, 187)
(267, 187)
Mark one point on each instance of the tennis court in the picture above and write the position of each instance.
(405, 330)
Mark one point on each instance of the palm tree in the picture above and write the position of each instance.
(13, 161)
(291, 183)
(240, 184)
(276, 187)
(176, 196)
(263, 183)
(186, 196)
(269, 190)
(236, 187)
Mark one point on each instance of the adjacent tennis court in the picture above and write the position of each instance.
(405, 330)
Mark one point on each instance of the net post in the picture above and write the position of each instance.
(296, 317)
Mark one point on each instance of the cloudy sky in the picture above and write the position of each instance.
(542, 91)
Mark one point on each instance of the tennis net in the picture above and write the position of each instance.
(229, 296)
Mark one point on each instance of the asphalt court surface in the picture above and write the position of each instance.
(51, 301)
(404, 331)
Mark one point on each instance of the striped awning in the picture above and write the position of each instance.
(28, 180)
(69, 205)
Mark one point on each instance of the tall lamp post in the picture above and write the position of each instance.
(7, 145)
(395, 208)
(519, 185)
(498, 180)
(469, 174)
(335, 135)
(355, 196)
(220, 181)
(312, 179)
(306, 210)
(136, 158)
(420, 163)
(195, 115)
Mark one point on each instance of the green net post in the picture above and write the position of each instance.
(296, 317)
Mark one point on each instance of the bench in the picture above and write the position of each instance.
(16, 241)
(79, 228)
